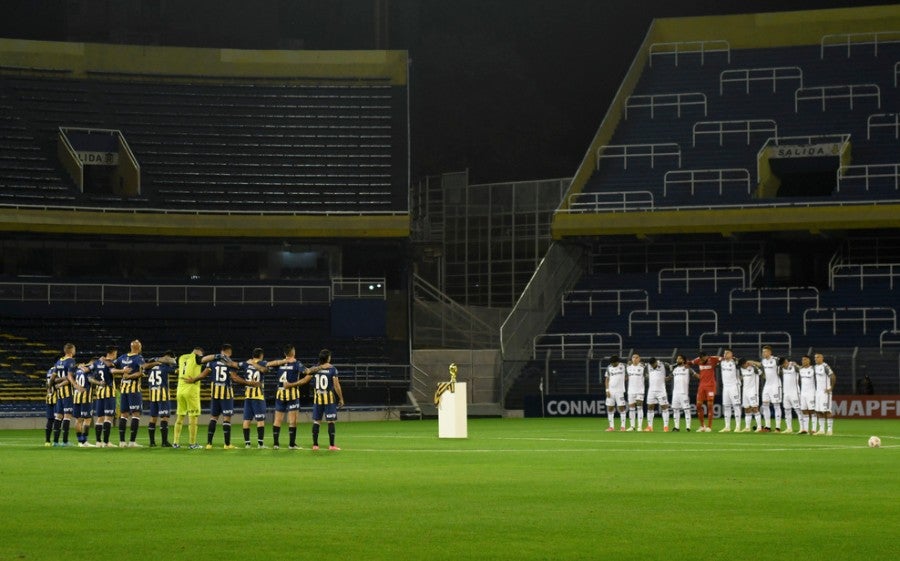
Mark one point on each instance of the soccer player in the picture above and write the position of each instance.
(706, 393)
(825, 380)
(681, 403)
(50, 402)
(657, 376)
(327, 388)
(731, 391)
(104, 389)
(254, 401)
(81, 403)
(222, 394)
(130, 367)
(158, 382)
(750, 399)
(807, 395)
(614, 382)
(771, 394)
(790, 389)
(63, 381)
(187, 395)
(636, 372)
(287, 398)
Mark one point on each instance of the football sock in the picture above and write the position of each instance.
(799, 415)
(687, 419)
(164, 431)
(179, 423)
(665, 416)
(193, 429)
(747, 417)
(758, 418)
(261, 435)
(48, 429)
(315, 434)
(829, 422)
(767, 415)
(709, 413)
(622, 417)
(246, 436)
(210, 431)
(650, 414)
(65, 429)
(98, 430)
(151, 432)
(815, 423)
(276, 432)
(631, 414)
(331, 434)
(123, 424)
(292, 433)
(727, 416)
(57, 425)
(640, 416)
(677, 418)
(107, 428)
(610, 414)
(135, 423)
(226, 431)
(778, 416)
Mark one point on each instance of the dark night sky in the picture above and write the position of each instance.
(511, 89)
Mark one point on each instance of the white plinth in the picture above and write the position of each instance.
(453, 421)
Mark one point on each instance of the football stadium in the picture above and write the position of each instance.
(245, 260)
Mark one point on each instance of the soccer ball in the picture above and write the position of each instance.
(874, 442)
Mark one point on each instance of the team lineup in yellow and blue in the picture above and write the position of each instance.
(86, 393)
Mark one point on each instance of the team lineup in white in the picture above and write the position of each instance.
(801, 390)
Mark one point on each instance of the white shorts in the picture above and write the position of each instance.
(616, 399)
(659, 396)
(750, 400)
(771, 394)
(807, 401)
(791, 401)
(635, 397)
(823, 402)
(680, 401)
(731, 395)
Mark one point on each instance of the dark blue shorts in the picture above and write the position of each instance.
(131, 402)
(329, 411)
(82, 411)
(160, 408)
(106, 406)
(254, 409)
(282, 405)
(221, 407)
(63, 406)
(51, 409)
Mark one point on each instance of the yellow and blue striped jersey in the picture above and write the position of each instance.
(220, 387)
(323, 391)
(51, 391)
(82, 397)
(63, 367)
(250, 373)
(158, 382)
(289, 374)
(102, 373)
(133, 361)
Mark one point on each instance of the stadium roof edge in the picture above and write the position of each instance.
(81, 59)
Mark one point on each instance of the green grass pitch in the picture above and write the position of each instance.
(515, 489)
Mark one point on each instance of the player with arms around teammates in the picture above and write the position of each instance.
(130, 367)
(222, 395)
(657, 376)
(706, 393)
(681, 401)
(187, 395)
(63, 381)
(327, 397)
(825, 380)
(731, 391)
(614, 382)
(159, 370)
(104, 388)
(291, 375)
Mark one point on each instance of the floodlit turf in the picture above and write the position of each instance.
(516, 489)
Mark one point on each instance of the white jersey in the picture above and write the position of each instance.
(729, 373)
(823, 377)
(790, 381)
(636, 373)
(615, 375)
(682, 379)
(750, 380)
(656, 377)
(770, 369)
(807, 380)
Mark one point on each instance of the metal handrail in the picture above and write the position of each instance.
(759, 298)
(893, 271)
(213, 211)
(652, 152)
(769, 73)
(585, 341)
(730, 337)
(683, 318)
(718, 178)
(698, 47)
(776, 204)
(846, 173)
(849, 40)
(864, 319)
(844, 91)
(571, 297)
(619, 201)
(687, 275)
(894, 125)
(771, 127)
(678, 103)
